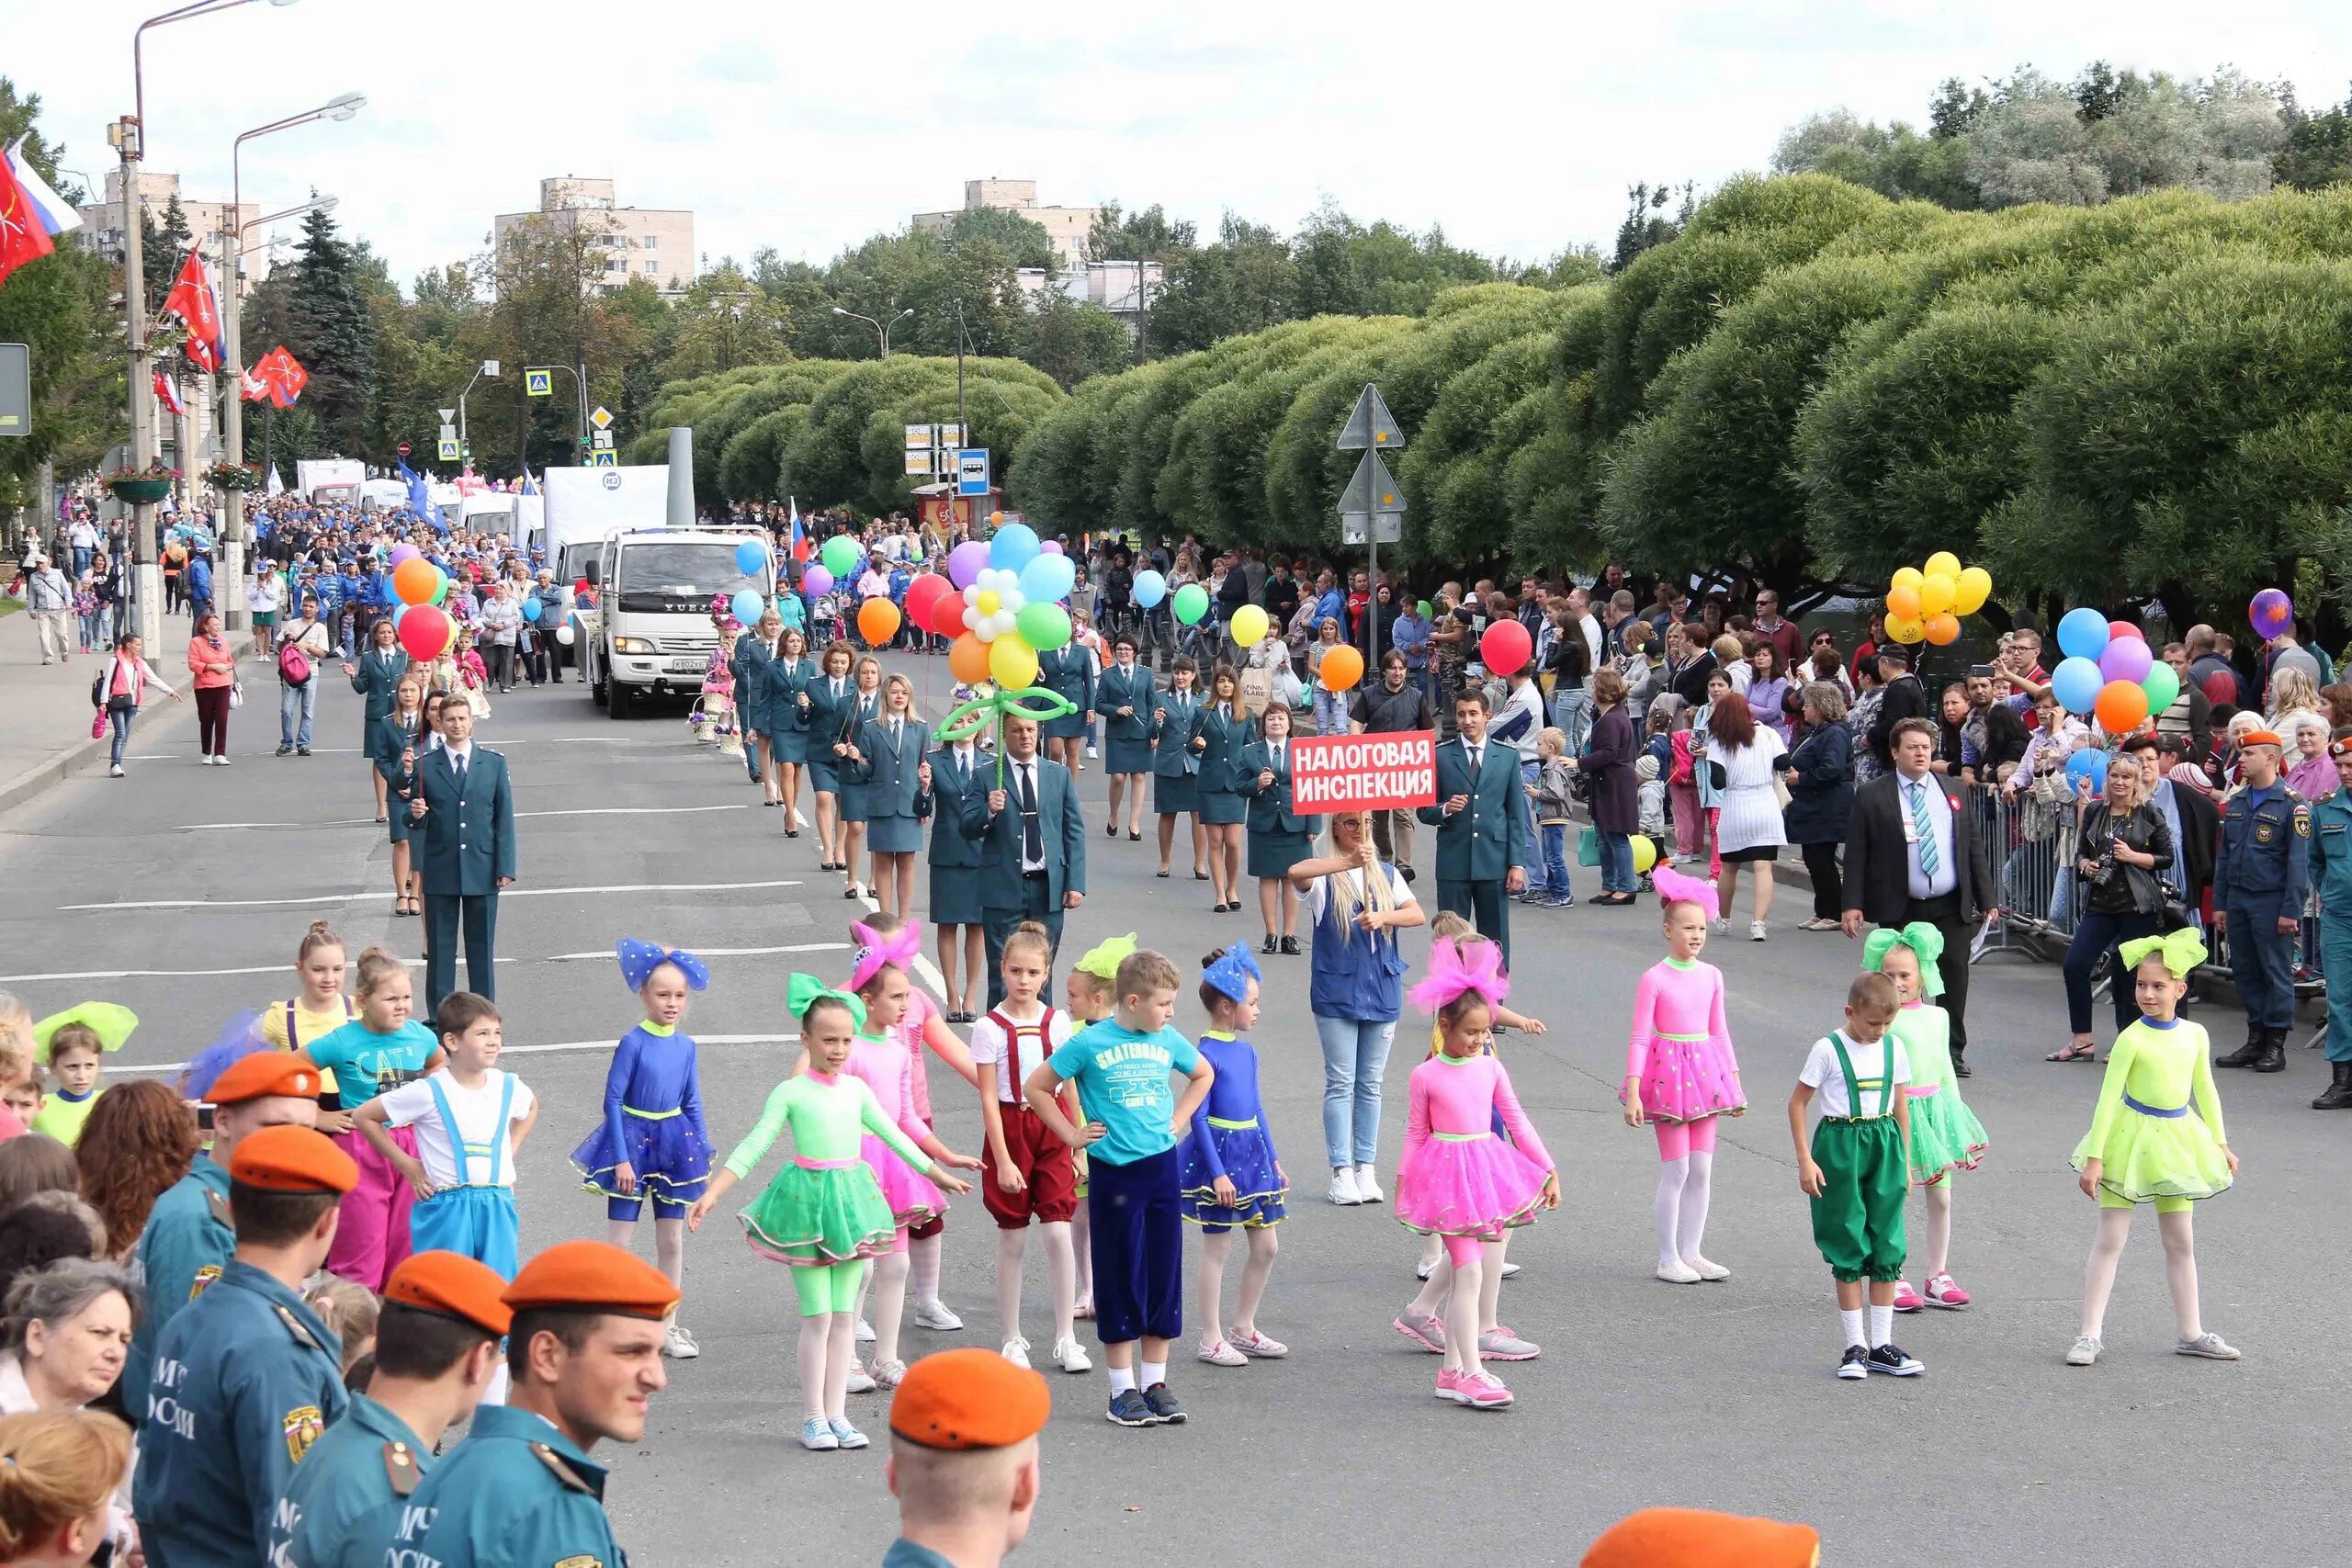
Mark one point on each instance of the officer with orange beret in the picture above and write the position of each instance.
(246, 1379)
(585, 1355)
(964, 1459)
(437, 1346)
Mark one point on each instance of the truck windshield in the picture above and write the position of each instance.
(667, 577)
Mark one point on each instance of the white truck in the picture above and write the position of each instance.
(330, 481)
(650, 633)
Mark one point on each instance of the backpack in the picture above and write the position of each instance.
(293, 664)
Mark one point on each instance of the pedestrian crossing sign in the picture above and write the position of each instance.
(539, 383)
(605, 459)
(448, 451)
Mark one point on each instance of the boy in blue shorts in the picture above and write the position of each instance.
(1122, 1068)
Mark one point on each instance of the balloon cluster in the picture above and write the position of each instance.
(426, 631)
(1002, 603)
(1926, 605)
(2109, 673)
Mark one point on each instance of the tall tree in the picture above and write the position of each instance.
(1646, 222)
(57, 306)
(2318, 149)
(330, 330)
(1146, 234)
(164, 247)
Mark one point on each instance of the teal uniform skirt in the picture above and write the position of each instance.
(956, 896)
(823, 777)
(894, 835)
(1123, 755)
(1272, 854)
(1175, 796)
(1223, 808)
(788, 745)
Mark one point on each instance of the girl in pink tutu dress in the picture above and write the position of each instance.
(1680, 1074)
(1457, 1179)
(880, 1056)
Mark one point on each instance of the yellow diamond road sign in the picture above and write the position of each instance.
(602, 419)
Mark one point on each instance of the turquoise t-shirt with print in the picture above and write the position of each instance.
(366, 1063)
(1123, 1082)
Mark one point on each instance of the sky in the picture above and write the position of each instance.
(1517, 128)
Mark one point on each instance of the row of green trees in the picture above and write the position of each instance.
(1809, 385)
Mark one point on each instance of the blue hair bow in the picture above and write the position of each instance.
(640, 959)
(1231, 974)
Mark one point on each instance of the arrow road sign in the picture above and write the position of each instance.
(1371, 426)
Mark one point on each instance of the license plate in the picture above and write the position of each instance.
(686, 666)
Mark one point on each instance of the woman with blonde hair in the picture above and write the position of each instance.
(58, 1471)
(2292, 691)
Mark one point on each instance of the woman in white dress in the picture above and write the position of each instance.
(1748, 831)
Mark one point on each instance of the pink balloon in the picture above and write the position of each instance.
(816, 579)
(2127, 658)
(966, 562)
(1051, 546)
(404, 552)
(2120, 629)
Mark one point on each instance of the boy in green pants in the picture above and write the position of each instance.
(1857, 1169)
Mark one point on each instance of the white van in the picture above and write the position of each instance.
(651, 632)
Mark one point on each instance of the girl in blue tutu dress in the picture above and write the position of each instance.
(653, 1142)
(1228, 1171)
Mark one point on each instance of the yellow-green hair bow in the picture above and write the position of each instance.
(2181, 951)
(1104, 958)
(111, 1023)
(1920, 938)
(805, 991)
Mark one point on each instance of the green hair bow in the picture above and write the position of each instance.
(2181, 951)
(1041, 704)
(805, 991)
(1103, 959)
(111, 1023)
(1920, 938)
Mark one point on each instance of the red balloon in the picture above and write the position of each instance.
(2124, 628)
(921, 593)
(946, 615)
(1505, 647)
(424, 632)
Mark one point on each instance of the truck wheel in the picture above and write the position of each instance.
(599, 691)
(622, 704)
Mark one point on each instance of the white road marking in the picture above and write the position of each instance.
(638, 810)
(524, 1050)
(375, 892)
(412, 962)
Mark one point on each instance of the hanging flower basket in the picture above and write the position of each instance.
(142, 487)
(233, 476)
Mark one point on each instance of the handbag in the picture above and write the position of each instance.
(1780, 791)
(1589, 846)
(236, 694)
(98, 724)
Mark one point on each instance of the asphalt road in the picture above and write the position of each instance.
(181, 892)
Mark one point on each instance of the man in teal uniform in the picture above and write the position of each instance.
(1033, 848)
(2260, 877)
(436, 1346)
(2331, 872)
(585, 1355)
(1481, 824)
(963, 1460)
(458, 792)
(187, 1240)
(246, 1379)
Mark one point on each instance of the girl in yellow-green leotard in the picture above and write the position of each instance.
(2157, 1137)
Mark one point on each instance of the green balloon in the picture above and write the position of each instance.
(1426, 612)
(1043, 626)
(441, 592)
(1191, 603)
(2162, 684)
(842, 558)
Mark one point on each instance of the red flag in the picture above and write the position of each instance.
(199, 309)
(22, 237)
(283, 375)
(251, 388)
(168, 395)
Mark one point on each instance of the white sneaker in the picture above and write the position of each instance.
(1755, 931)
(1343, 1181)
(1723, 926)
(889, 1374)
(1678, 1273)
(1070, 1355)
(206, 760)
(1707, 1270)
(115, 771)
(1368, 1186)
(223, 760)
(1091, 753)
(935, 1315)
(2086, 1350)
(681, 1345)
(864, 1332)
(1016, 1350)
(860, 1381)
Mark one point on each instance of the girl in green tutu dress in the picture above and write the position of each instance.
(824, 1213)
(1945, 1135)
(2155, 1138)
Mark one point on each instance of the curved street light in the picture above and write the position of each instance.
(881, 329)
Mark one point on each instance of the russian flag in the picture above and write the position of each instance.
(55, 214)
(799, 539)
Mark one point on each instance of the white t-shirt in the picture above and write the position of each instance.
(988, 1045)
(1870, 1065)
(1318, 892)
(477, 1112)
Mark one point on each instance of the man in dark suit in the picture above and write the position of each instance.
(1481, 824)
(1913, 853)
(459, 793)
(1033, 848)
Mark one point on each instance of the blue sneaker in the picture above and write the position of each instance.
(1127, 1409)
(1162, 1405)
(818, 1435)
(847, 1436)
(1559, 901)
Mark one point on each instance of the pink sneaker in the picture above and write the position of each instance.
(1943, 1291)
(1905, 1298)
(1449, 1386)
(1481, 1390)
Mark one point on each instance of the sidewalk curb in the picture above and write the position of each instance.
(37, 778)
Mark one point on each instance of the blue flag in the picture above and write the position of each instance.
(419, 500)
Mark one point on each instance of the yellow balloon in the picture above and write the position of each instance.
(1975, 587)
(1905, 628)
(1249, 626)
(1012, 662)
(1936, 595)
(1644, 853)
(987, 602)
(1905, 577)
(1943, 563)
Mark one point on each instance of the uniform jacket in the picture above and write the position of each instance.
(1486, 839)
(468, 836)
(893, 785)
(185, 1245)
(2266, 855)
(515, 1492)
(1058, 824)
(951, 785)
(1878, 859)
(1129, 688)
(1175, 720)
(1270, 807)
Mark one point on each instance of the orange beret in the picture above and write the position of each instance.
(969, 1399)
(2261, 738)
(593, 1274)
(293, 1159)
(266, 1073)
(1691, 1538)
(453, 1285)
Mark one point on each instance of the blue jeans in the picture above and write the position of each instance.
(1616, 861)
(302, 700)
(121, 719)
(1552, 873)
(1355, 1056)
(1571, 710)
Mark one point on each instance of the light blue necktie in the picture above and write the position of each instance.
(1925, 829)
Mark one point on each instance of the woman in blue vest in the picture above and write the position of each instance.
(1176, 765)
(1355, 989)
(1069, 672)
(1124, 697)
(1223, 732)
(785, 704)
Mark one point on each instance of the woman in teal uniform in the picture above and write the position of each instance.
(1123, 696)
(1279, 838)
(956, 770)
(894, 779)
(1223, 732)
(403, 729)
(864, 706)
(1069, 672)
(824, 716)
(785, 701)
(374, 678)
(1176, 764)
(754, 651)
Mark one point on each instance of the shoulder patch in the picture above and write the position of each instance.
(294, 1326)
(400, 1469)
(204, 1276)
(2302, 822)
(303, 1424)
(561, 1468)
(218, 1207)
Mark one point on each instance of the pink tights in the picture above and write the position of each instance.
(1461, 1249)
(1678, 1139)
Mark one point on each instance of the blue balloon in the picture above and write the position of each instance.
(750, 558)
(2082, 635)
(531, 608)
(2076, 680)
(747, 607)
(1048, 578)
(2088, 764)
(398, 611)
(1014, 546)
(1150, 588)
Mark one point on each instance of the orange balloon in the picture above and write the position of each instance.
(1903, 599)
(877, 621)
(412, 581)
(967, 659)
(1341, 670)
(1943, 631)
(2122, 708)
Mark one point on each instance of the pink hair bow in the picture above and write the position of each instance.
(1455, 968)
(901, 947)
(1674, 887)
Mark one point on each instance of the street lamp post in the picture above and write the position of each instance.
(465, 449)
(881, 329)
(128, 138)
(233, 414)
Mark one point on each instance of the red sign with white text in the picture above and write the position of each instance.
(1363, 772)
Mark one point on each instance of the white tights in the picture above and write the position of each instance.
(668, 1244)
(2180, 1269)
(1437, 1291)
(923, 1268)
(1467, 1311)
(825, 1354)
(1685, 1187)
(886, 1281)
(1255, 1270)
(1061, 1274)
(1939, 1200)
